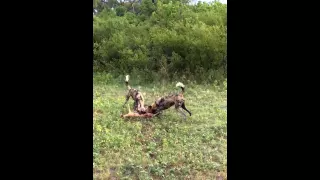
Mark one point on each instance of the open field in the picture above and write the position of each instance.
(160, 148)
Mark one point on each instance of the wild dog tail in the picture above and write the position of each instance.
(179, 84)
(127, 82)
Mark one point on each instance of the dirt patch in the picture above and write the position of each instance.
(97, 112)
(201, 175)
(98, 171)
(112, 175)
(106, 174)
(221, 176)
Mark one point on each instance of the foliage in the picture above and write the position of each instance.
(165, 40)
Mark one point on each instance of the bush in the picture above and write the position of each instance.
(163, 41)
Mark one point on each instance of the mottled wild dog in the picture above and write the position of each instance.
(136, 95)
(166, 102)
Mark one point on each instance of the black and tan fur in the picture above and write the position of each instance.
(166, 102)
(136, 95)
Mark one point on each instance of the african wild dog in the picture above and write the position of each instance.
(166, 102)
(136, 95)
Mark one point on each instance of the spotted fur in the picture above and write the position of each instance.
(166, 102)
(136, 95)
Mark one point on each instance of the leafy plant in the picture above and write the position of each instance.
(162, 38)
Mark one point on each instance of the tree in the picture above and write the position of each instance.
(152, 39)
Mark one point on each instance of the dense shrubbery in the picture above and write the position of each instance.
(165, 40)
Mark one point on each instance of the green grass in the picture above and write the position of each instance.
(159, 148)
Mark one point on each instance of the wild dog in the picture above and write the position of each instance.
(166, 102)
(136, 95)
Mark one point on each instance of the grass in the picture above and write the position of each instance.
(159, 148)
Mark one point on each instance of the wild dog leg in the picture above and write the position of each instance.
(158, 113)
(182, 113)
(127, 99)
(184, 107)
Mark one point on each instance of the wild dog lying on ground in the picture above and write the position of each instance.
(136, 95)
(166, 102)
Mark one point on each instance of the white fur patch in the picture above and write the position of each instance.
(179, 84)
(127, 78)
